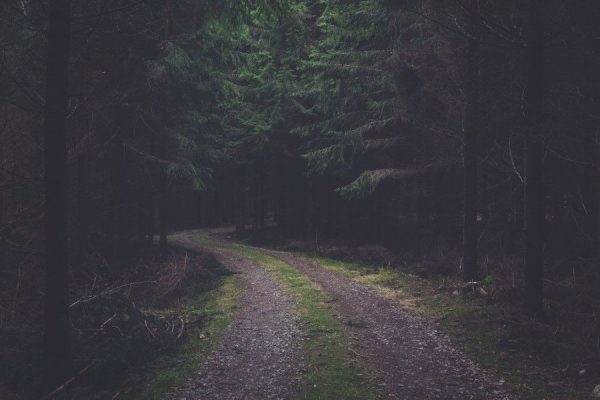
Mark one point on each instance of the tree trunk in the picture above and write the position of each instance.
(163, 206)
(200, 210)
(260, 201)
(56, 307)
(472, 126)
(240, 225)
(216, 205)
(141, 218)
(596, 218)
(163, 209)
(151, 216)
(168, 18)
(309, 225)
(82, 208)
(534, 194)
(119, 189)
(3, 212)
(486, 203)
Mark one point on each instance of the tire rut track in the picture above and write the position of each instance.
(411, 357)
(260, 355)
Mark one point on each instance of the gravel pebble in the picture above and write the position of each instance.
(412, 359)
(260, 355)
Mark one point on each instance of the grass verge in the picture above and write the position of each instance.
(332, 372)
(214, 309)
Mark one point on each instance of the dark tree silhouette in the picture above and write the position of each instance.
(534, 190)
(471, 159)
(56, 317)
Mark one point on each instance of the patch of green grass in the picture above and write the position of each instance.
(393, 284)
(332, 374)
(214, 309)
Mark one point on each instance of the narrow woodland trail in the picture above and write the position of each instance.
(259, 357)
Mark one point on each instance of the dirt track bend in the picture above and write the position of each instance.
(411, 358)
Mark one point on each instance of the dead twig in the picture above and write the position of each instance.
(67, 383)
(181, 330)
(87, 299)
(356, 353)
(13, 310)
(108, 320)
(512, 161)
(149, 330)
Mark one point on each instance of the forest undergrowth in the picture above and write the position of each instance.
(137, 330)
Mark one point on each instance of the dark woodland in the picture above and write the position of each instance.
(165, 163)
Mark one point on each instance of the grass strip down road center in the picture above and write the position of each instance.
(332, 370)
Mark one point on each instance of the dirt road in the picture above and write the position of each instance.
(260, 356)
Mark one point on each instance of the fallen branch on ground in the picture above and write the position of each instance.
(67, 383)
(87, 299)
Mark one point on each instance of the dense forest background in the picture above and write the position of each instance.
(460, 135)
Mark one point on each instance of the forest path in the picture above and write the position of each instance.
(409, 356)
(260, 355)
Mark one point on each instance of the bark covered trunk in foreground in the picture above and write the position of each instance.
(56, 312)
(82, 239)
(260, 199)
(163, 206)
(163, 209)
(240, 201)
(470, 269)
(534, 191)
